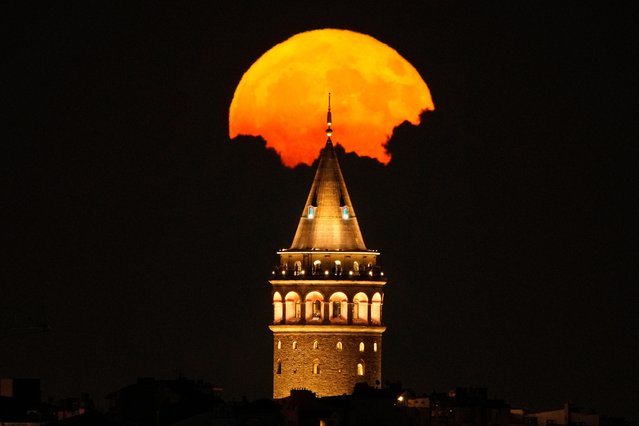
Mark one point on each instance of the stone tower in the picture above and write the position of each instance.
(327, 295)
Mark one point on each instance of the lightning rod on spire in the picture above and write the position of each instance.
(329, 118)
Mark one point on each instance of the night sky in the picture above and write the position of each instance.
(144, 238)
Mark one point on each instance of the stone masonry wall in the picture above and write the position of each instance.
(337, 368)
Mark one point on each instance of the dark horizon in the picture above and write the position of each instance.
(144, 238)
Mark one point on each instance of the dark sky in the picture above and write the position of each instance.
(144, 238)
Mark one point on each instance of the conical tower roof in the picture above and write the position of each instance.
(328, 220)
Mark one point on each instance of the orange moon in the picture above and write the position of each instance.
(283, 95)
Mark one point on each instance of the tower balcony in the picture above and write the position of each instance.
(374, 274)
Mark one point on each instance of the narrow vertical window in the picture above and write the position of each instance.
(316, 368)
(279, 344)
(294, 345)
(279, 367)
(315, 345)
(375, 347)
(360, 369)
(361, 346)
(311, 212)
(339, 346)
(345, 212)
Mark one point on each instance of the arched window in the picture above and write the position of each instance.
(277, 307)
(294, 345)
(316, 367)
(315, 345)
(360, 368)
(360, 308)
(297, 269)
(279, 344)
(376, 309)
(317, 267)
(338, 267)
(339, 346)
(375, 347)
(361, 346)
(314, 306)
(338, 304)
(337, 309)
(293, 306)
(279, 367)
(356, 267)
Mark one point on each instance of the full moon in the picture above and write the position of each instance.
(283, 95)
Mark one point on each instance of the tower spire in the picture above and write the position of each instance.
(329, 120)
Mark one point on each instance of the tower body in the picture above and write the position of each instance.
(327, 294)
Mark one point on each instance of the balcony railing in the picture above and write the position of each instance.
(374, 274)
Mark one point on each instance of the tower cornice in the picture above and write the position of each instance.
(322, 251)
(329, 283)
(328, 329)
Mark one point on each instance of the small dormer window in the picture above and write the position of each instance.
(311, 212)
(345, 212)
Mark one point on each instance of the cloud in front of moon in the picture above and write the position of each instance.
(283, 95)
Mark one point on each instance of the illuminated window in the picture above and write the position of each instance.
(317, 309)
(361, 346)
(279, 344)
(297, 268)
(375, 347)
(360, 368)
(311, 212)
(360, 307)
(294, 345)
(292, 306)
(315, 345)
(344, 212)
(339, 346)
(277, 307)
(376, 309)
(316, 367)
(317, 267)
(314, 306)
(337, 309)
(279, 367)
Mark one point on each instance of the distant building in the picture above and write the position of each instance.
(467, 406)
(569, 415)
(151, 402)
(26, 391)
(327, 295)
(20, 403)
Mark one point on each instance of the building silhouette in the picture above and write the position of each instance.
(327, 294)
